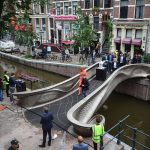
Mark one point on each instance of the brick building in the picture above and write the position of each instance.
(53, 22)
(131, 26)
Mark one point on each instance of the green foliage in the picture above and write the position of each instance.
(109, 29)
(146, 58)
(28, 56)
(83, 33)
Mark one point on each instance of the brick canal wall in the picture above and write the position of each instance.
(68, 70)
(139, 88)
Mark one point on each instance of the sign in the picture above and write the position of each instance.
(71, 18)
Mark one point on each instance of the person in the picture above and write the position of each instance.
(6, 82)
(33, 52)
(97, 49)
(44, 52)
(14, 145)
(97, 131)
(46, 121)
(115, 64)
(82, 73)
(12, 86)
(1, 89)
(84, 85)
(49, 50)
(80, 145)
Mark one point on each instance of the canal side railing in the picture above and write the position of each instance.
(121, 133)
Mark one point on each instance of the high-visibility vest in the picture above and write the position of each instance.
(97, 130)
(6, 79)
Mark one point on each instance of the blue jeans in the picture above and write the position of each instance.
(11, 90)
(1, 94)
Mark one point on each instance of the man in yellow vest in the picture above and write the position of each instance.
(97, 131)
(6, 82)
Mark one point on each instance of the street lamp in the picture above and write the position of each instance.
(41, 32)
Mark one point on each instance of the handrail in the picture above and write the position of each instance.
(117, 136)
(117, 124)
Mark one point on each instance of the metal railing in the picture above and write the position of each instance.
(121, 134)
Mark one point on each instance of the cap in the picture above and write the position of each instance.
(14, 142)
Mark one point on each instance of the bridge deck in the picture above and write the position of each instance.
(60, 108)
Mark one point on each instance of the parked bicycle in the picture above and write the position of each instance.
(66, 58)
(51, 56)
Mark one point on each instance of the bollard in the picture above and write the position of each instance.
(134, 138)
(119, 130)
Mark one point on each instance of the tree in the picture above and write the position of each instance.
(10, 20)
(83, 34)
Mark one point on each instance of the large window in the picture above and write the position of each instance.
(37, 22)
(139, 9)
(123, 8)
(138, 34)
(58, 10)
(96, 3)
(96, 23)
(42, 9)
(66, 8)
(129, 33)
(75, 4)
(107, 3)
(87, 4)
(51, 23)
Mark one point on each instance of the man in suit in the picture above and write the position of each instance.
(80, 145)
(46, 121)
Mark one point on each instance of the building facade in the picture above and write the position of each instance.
(53, 22)
(131, 26)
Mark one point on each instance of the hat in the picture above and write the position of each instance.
(14, 142)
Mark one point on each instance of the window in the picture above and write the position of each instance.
(43, 22)
(58, 10)
(87, 4)
(96, 3)
(48, 7)
(37, 21)
(35, 8)
(138, 34)
(123, 8)
(118, 32)
(96, 23)
(42, 9)
(75, 4)
(129, 33)
(107, 3)
(139, 9)
(66, 8)
(51, 23)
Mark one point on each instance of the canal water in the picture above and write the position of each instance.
(119, 106)
(45, 78)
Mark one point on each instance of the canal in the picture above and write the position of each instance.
(45, 78)
(118, 106)
(115, 108)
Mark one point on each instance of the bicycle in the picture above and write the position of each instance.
(52, 57)
(66, 58)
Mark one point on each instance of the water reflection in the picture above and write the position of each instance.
(45, 77)
(118, 106)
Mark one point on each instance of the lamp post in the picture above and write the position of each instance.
(41, 32)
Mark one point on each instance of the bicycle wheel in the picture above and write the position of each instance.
(69, 59)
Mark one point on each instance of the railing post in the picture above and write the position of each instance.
(101, 142)
(119, 130)
(134, 138)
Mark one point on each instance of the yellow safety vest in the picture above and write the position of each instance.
(6, 79)
(97, 130)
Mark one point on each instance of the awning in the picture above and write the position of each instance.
(117, 40)
(67, 42)
(137, 42)
(126, 41)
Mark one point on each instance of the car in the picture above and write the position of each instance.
(6, 46)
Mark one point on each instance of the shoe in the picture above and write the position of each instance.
(42, 145)
(49, 143)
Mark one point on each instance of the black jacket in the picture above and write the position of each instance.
(85, 84)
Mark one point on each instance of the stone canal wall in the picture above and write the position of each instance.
(139, 88)
(68, 70)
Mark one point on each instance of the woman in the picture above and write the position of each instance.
(83, 72)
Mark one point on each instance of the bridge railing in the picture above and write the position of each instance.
(121, 133)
